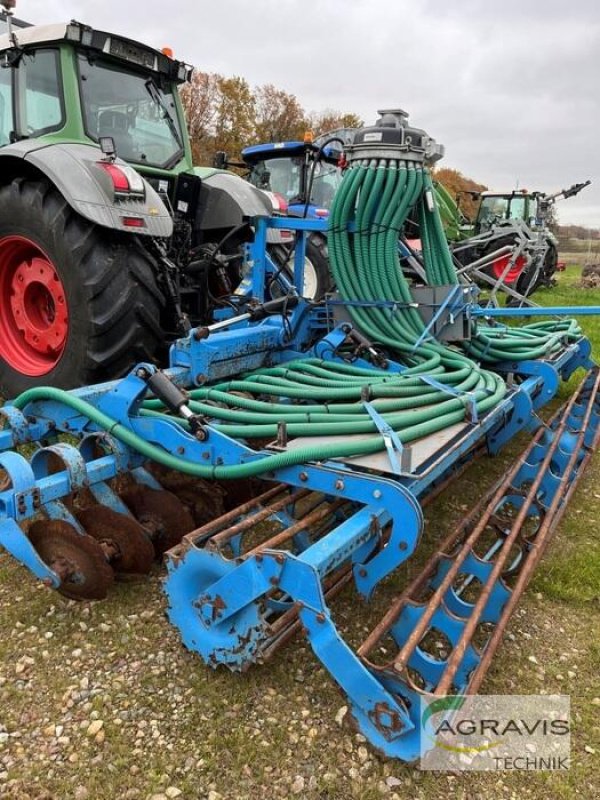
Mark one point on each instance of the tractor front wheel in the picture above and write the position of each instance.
(78, 303)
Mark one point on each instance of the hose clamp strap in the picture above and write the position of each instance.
(398, 455)
(466, 398)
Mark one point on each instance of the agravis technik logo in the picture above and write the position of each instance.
(495, 732)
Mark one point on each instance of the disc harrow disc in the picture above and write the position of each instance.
(77, 559)
(162, 514)
(129, 548)
(203, 499)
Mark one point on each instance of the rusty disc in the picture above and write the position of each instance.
(161, 513)
(123, 540)
(77, 559)
(5, 482)
(203, 499)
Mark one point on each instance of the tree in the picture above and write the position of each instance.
(330, 120)
(457, 184)
(200, 100)
(279, 115)
(226, 114)
(235, 116)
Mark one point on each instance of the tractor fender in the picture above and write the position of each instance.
(75, 171)
(226, 200)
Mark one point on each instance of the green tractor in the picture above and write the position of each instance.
(509, 241)
(111, 240)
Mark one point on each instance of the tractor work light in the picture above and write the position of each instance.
(107, 145)
(76, 32)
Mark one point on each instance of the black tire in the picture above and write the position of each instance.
(550, 265)
(318, 255)
(321, 280)
(114, 305)
(545, 276)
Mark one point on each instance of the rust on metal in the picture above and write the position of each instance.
(77, 559)
(122, 538)
(459, 545)
(161, 513)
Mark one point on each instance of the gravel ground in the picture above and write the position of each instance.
(100, 700)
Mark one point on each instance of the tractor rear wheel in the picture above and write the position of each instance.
(78, 303)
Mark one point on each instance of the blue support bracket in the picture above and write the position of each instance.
(453, 300)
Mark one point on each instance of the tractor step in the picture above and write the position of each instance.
(237, 593)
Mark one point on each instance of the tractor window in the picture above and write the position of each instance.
(6, 116)
(517, 208)
(492, 209)
(42, 110)
(133, 109)
(326, 181)
(281, 175)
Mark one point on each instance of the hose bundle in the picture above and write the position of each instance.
(375, 199)
(324, 398)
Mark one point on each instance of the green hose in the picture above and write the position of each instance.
(326, 399)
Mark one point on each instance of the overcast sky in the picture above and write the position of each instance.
(510, 88)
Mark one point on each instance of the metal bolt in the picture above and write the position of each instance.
(181, 450)
(321, 618)
(377, 494)
(403, 545)
(303, 476)
(339, 485)
(362, 573)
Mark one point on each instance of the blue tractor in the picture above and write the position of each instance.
(302, 179)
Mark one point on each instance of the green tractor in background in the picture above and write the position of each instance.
(510, 241)
(112, 242)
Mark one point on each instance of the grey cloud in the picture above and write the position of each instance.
(510, 88)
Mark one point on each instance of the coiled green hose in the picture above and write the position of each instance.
(324, 398)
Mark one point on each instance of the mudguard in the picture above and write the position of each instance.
(226, 200)
(73, 169)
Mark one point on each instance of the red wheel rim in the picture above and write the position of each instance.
(34, 317)
(513, 273)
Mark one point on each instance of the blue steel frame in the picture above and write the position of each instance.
(238, 635)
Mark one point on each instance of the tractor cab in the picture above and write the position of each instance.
(303, 176)
(72, 82)
(94, 154)
(495, 207)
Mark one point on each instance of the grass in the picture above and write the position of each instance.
(170, 721)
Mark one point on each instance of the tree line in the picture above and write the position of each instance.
(228, 114)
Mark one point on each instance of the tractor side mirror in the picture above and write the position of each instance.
(220, 160)
(265, 180)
